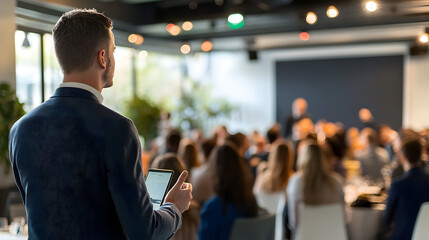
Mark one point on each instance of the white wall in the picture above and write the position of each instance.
(250, 85)
(418, 92)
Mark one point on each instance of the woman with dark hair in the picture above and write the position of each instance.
(188, 153)
(313, 184)
(191, 219)
(234, 198)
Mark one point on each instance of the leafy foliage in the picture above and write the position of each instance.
(197, 108)
(145, 115)
(11, 109)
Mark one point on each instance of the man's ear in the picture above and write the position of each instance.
(101, 58)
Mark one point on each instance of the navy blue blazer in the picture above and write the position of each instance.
(406, 194)
(78, 167)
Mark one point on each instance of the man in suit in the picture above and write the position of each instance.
(77, 163)
(408, 192)
(299, 112)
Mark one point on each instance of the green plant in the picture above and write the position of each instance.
(145, 115)
(197, 109)
(11, 109)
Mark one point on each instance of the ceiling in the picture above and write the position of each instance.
(269, 24)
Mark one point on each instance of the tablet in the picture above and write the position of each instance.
(157, 182)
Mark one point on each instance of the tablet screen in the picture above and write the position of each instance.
(157, 181)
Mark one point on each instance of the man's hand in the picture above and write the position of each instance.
(181, 193)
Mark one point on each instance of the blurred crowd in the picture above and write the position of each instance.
(308, 162)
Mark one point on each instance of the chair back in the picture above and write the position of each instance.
(421, 230)
(258, 228)
(324, 222)
(269, 201)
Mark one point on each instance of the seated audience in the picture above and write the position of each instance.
(335, 149)
(352, 143)
(189, 154)
(191, 218)
(407, 192)
(313, 184)
(234, 198)
(372, 158)
(387, 136)
(172, 140)
(201, 179)
(273, 176)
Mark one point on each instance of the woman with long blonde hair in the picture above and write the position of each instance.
(275, 176)
(313, 184)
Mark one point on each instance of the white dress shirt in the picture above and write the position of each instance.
(84, 87)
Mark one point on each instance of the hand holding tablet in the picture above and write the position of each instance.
(181, 193)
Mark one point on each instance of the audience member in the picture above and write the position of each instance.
(299, 111)
(172, 140)
(313, 184)
(302, 130)
(220, 133)
(274, 175)
(353, 143)
(189, 154)
(201, 176)
(387, 136)
(234, 198)
(372, 158)
(408, 192)
(191, 218)
(335, 150)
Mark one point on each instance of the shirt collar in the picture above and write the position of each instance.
(86, 87)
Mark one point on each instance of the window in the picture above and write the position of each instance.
(53, 75)
(122, 89)
(28, 70)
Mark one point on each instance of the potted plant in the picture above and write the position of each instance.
(11, 109)
(145, 115)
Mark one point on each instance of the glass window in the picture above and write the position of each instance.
(122, 89)
(161, 72)
(53, 74)
(28, 72)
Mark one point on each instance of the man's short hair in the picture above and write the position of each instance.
(172, 140)
(412, 150)
(78, 36)
(273, 134)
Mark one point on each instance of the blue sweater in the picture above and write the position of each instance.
(215, 225)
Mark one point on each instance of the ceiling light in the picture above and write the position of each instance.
(185, 49)
(187, 26)
(173, 29)
(137, 39)
(132, 38)
(424, 38)
(311, 18)
(304, 36)
(206, 46)
(143, 54)
(332, 12)
(235, 21)
(371, 6)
